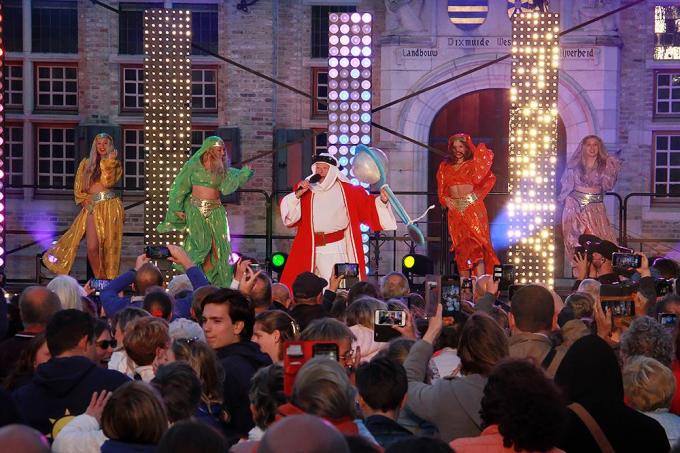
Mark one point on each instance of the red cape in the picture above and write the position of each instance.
(361, 209)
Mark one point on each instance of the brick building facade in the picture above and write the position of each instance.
(70, 80)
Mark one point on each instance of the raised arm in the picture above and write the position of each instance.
(611, 172)
(111, 172)
(481, 160)
(235, 178)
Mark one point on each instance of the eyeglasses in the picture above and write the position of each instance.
(106, 344)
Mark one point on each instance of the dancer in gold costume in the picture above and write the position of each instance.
(101, 216)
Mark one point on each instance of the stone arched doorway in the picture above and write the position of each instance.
(485, 115)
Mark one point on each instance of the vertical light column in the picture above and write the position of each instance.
(167, 111)
(3, 69)
(533, 145)
(350, 70)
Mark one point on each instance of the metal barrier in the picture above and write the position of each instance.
(378, 239)
(624, 239)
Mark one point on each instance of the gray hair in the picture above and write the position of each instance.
(648, 384)
(581, 303)
(592, 287)
(178, 284)
(322, 388)
(362, 311)
(647, 337)
(69, 291)
(327, 329)
(394, 285)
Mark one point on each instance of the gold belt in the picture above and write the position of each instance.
(98, 197)
(585, 198)
(461, 204)
(205, 207)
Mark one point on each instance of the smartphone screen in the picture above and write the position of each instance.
(619, 308)
(157, 252)
(450, 295)
(99, 284)
(390, 318)
(626, 260)
(668, 320)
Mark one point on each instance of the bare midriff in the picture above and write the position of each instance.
(585, 189)
(460, 190)
(205, 193)
(96, 188)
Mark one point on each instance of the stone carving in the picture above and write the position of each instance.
(404, 17)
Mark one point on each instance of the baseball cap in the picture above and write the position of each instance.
(308, 285)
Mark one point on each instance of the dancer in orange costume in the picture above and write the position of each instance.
(463, 181)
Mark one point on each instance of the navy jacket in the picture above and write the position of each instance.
(240, 362)
(113, 304)
(385, 430)
(62, 388)
(114, 446)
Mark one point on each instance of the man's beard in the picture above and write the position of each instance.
(216, 169)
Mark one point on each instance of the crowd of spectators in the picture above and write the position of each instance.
(182, 366)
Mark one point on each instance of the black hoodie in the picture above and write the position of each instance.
(240, 361)
(61, 389)
(590, 375)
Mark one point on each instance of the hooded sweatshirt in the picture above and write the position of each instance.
(240, 362)
(61, 389)
(365, 340)
(590, 375)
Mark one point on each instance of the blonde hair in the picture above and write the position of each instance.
(68, 290)
(648, 384)
(215, 167)
(92, 170)
(577, 161)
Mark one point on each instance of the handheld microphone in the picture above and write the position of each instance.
(312, 180)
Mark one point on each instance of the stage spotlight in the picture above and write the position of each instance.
(414, 264)
(278, 262)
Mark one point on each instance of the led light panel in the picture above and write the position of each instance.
(350, 70)
(3, 68)
(533, 145)
(167, 111)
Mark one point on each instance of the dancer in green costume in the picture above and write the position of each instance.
(194, 206)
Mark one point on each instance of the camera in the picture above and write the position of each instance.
(384, 321)
(255, 267)
(99, 284)
(505, 274)
(297, 353)
(668, 320)
(157, 252)
(626, 260)
(664, 286)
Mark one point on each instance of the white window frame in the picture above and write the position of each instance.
(205, 131)
(137, 147)
(138, 82)
(14, 153)
(674, 76)
(51, 93)
(55, 179)
(203, 97)
(10, 80)
(668, 166)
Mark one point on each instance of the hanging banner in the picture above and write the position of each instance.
(468, 14)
